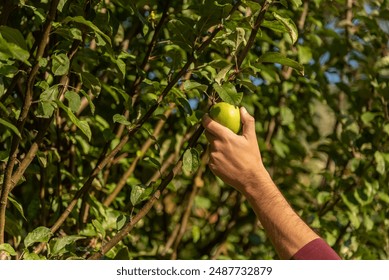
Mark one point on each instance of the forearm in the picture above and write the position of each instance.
(277, 217)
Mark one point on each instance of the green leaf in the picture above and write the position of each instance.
(222, 74)
(13, 45)
(380, 162)
(45, 109)
(384, 197)
(274, 25)
(47, 103)
(82, 125)
(82, 20)
(62, 242)
(38, 12)
(74, 100)
(50, 94)
(13, 36)
(274, 57)
(386, 128)
(367, 117)
(18, 206)
(189, 85)
(289, 25)
(91, 82)
(240, 39)
(191, 161)
(304, 54)
(184, 105)
(368, 222)
(117, 118)
(287, 116)
(121, 65)
(90, 101)
(32, 256)
(5, 247)
(40, 234)
(61, 4)
(353, 208)
(7, 70)
(203, 202)
(137, 192)
(60, 64)
(121, 221)
(280, 148)
(13, 226)
(296, 3)
(182, 34)
(196, 232)
(354, 219)
(42, 159)
(383, 62)
(227, 92)
(99, 227)
(69, 33)
(10, 126)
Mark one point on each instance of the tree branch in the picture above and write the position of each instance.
(6, 188)
(253, 34)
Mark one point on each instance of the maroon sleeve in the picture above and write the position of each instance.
(317, 249)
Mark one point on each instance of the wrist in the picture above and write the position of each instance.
(258, 184)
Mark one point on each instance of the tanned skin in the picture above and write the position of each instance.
(236, 159)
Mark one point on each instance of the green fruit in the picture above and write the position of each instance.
(227, 115)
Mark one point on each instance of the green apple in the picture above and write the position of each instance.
(227, 115)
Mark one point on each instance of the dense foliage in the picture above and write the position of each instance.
(102, 154)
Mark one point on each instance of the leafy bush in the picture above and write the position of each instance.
(102, 153)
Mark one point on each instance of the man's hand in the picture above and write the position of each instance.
(235, 159)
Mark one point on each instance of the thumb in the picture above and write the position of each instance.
(248, 124)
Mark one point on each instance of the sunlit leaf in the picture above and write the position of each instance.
(40, 234)
(221, 75)
(60, 64)
(380, 162)
(227, 92)
(82, 125)
(191, 161)
(274, 57)
(13, 45)
(8, 249)
(99, 227)
(117, 118)
(289, 25)
(74, 100)
(62, 242)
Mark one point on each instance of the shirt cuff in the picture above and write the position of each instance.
(317, 249)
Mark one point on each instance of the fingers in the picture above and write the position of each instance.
(214, 128)
(248, 124)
